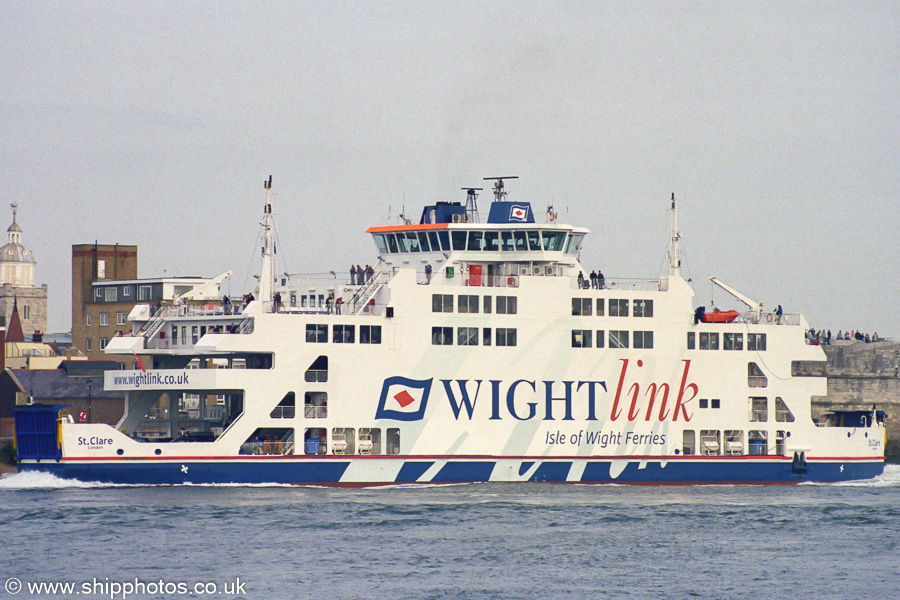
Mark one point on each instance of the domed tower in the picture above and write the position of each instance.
(17, 282)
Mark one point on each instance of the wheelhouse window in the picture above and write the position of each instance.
(459, 239)
(534, 240)
(581, 307)
(476, 241)
(412, 241)
(380, 243)
(574, 243)
(554, 241)
(392, 243)
(492, 241)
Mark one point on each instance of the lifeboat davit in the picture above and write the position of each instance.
(719, 316)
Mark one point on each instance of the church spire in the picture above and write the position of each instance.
(14, 331)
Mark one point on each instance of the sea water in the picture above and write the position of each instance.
(487, 540)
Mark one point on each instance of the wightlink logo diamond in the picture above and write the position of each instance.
(518, 213)
(403, 399)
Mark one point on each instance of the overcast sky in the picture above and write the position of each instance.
(775, 124)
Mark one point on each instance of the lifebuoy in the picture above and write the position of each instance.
(769, 318)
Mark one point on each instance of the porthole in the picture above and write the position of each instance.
(157, 452)
(120, 452)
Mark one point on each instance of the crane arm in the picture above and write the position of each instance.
(750, 302)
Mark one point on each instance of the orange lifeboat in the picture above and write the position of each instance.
(719, 316)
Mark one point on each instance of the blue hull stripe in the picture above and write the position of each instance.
(328, 472)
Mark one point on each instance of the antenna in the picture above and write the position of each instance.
(472, 204)
(499, 192)
(674, 249)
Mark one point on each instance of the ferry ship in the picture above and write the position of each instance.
(473, 352)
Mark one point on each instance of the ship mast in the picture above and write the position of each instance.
(268, 249)
(674, 248)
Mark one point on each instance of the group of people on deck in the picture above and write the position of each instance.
(595, 281)
(360, 275)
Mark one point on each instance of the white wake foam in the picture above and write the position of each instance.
(35, 480)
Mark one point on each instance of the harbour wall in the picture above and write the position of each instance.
(860, 375)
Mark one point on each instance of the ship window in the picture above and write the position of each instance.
(709, 442)
(468, 304)
(467, 336)
(459, 240)
(755, 377)
(618, 339)
(618, 307)
(783, 414)
(315, 440)
(575, 243)
(444, 236)
(534, 240)
(601, 305)
(733, 341)
(709, 341)
(476, 240)
(687, 442)
(442, 303)
(492, 240)
(380, 243)
(487, 305)
(581, 338)
(343, 440)
(370, 334)
(316, 334)
(392, 441)
(643, 339)
(285, 408)
(581, 307)
(758, 442)
(270, 441)
(734, 442)
(435, 243)
(423, 242)
(412, 241)
(715, 403)
(554, 241)
(759, 412)
(369, 441)
(486, 336)
(442, 336)
(506, 337)
(318, 371)
(392, 243)
(521, 241)
(779, 442)
(506, 305)
(703, 403)
(315, 405)
(756, 341)
(509, 243)
(343, 334)
(643, 308)
(174, 335)
(601, 338)
(401, 242)
(691, 340)
(195, 334)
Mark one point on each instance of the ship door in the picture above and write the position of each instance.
(475, 274)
